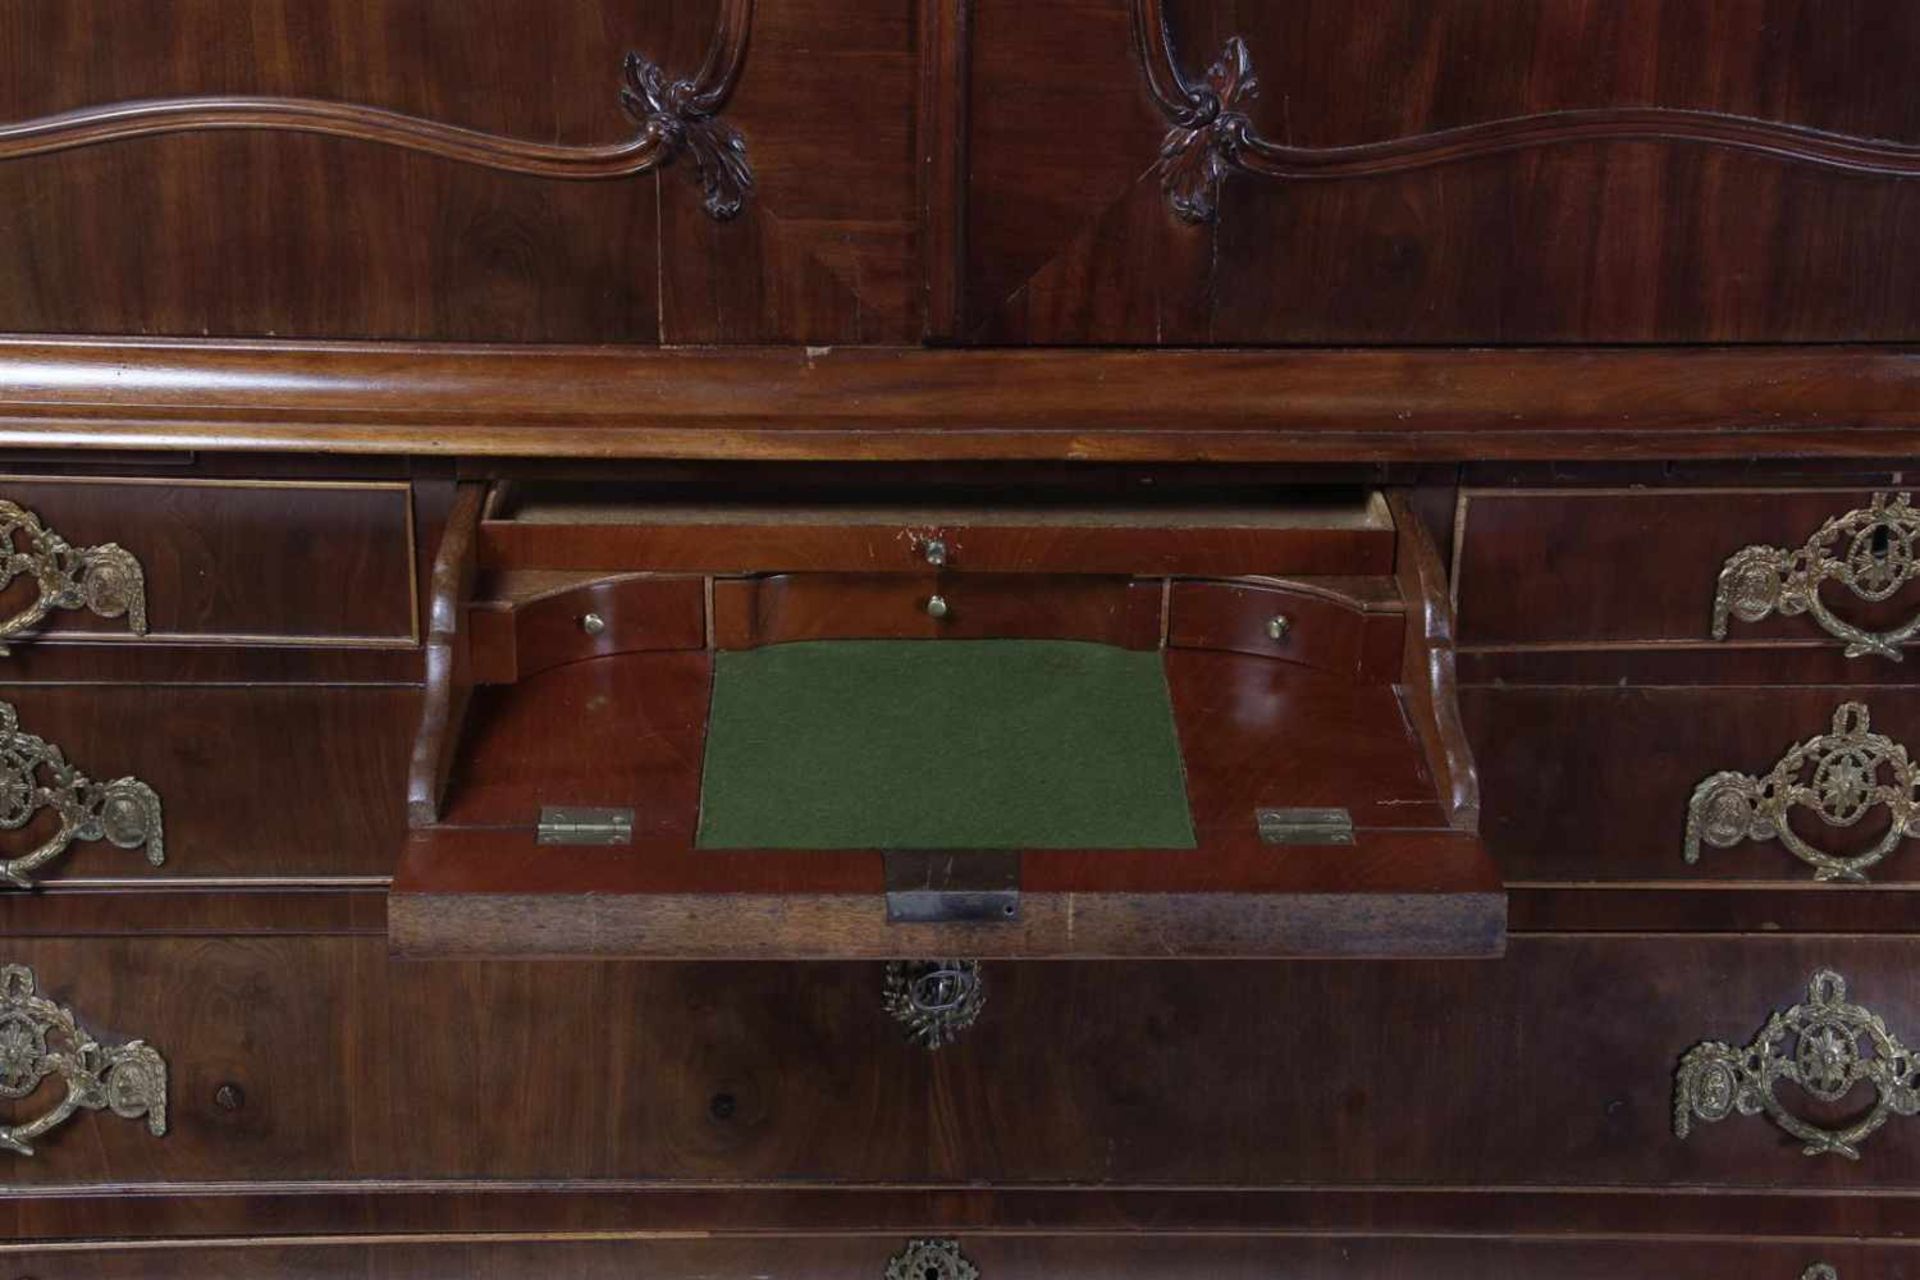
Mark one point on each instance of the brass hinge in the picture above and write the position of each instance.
(584, 826)
(1304, 826)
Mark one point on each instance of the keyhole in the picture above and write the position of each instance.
(931, 1273)
(1881, 541)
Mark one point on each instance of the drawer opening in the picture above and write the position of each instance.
(1169, 767)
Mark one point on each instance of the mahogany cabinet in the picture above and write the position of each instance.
(1370, 547)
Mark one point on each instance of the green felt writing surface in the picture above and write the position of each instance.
(942, 744)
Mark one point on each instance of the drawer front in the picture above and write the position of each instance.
(1547, 176)
(1609, 784)
(261, 783)
(994, 1257)
(613, 527)
(519, 201)
(256, 563)
(1659, 568)
(748, 612)
(318, 1059)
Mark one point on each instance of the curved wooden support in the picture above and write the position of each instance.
(673, 117)
(1427, 679)
(1212, 134)
(449, 679)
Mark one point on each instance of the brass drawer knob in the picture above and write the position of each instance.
(1869, 551)
(35, 775)
(935, 1000)
(105, 580)
(1817, 1046)
(1839, 777)
(39, 1038)
(931, 1260)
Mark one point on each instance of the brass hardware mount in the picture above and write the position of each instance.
(1816, 1045)
(931, 1260)
(35, 776)
(935, 1000)
(1869, 550)
(39, 1038)
(1841, 776)
(105, 580)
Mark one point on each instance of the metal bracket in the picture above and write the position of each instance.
(584, 826)
(1304, 826)
(953, 887)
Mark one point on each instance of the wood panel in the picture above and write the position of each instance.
(1360, 636)
(237, 562)
(749, 612)
(1000, 1257)
(410, 245)
(254, 783)
(609, 526)
(1093, 1076)
(1568, 568)
(1573, 234)
(1586, 785)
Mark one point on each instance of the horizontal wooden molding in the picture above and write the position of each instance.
(880, 403)
(1212, 135)
(672, 117)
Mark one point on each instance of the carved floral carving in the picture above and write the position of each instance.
(1211, 136)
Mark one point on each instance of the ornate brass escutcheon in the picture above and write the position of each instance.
(105, 580)
(39, 1039)
(931, 1260)
(1840, 777)
(1819, 1271)
(934, 999)
(1827, 1047)
(1869, 551)
(35, 776)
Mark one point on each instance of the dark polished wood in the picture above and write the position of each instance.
(1012, 1257)
(236, 562)
(1357, 635)
(1656, 173)
(1622, 763)
(1572, 568)
(628, 731)
(750, 612)
(421, 238)
(500, 1079)
(1351, 407)
(262, 783)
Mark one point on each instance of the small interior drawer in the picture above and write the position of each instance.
(926, 761)
(609, 527)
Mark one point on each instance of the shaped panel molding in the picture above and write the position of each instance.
(1211, 134)
(673, 119)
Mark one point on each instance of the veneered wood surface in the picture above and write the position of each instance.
(513, 639)
(407, 246)
(233, 562)
(1360, 639)
(1221, 407)
(272, 781)
(1593, 784)
(1221, 1074)
(1021, 1257)
(1069, 237)
(607, 527)
(749, 612)
(1572, 568)
(628, 732)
